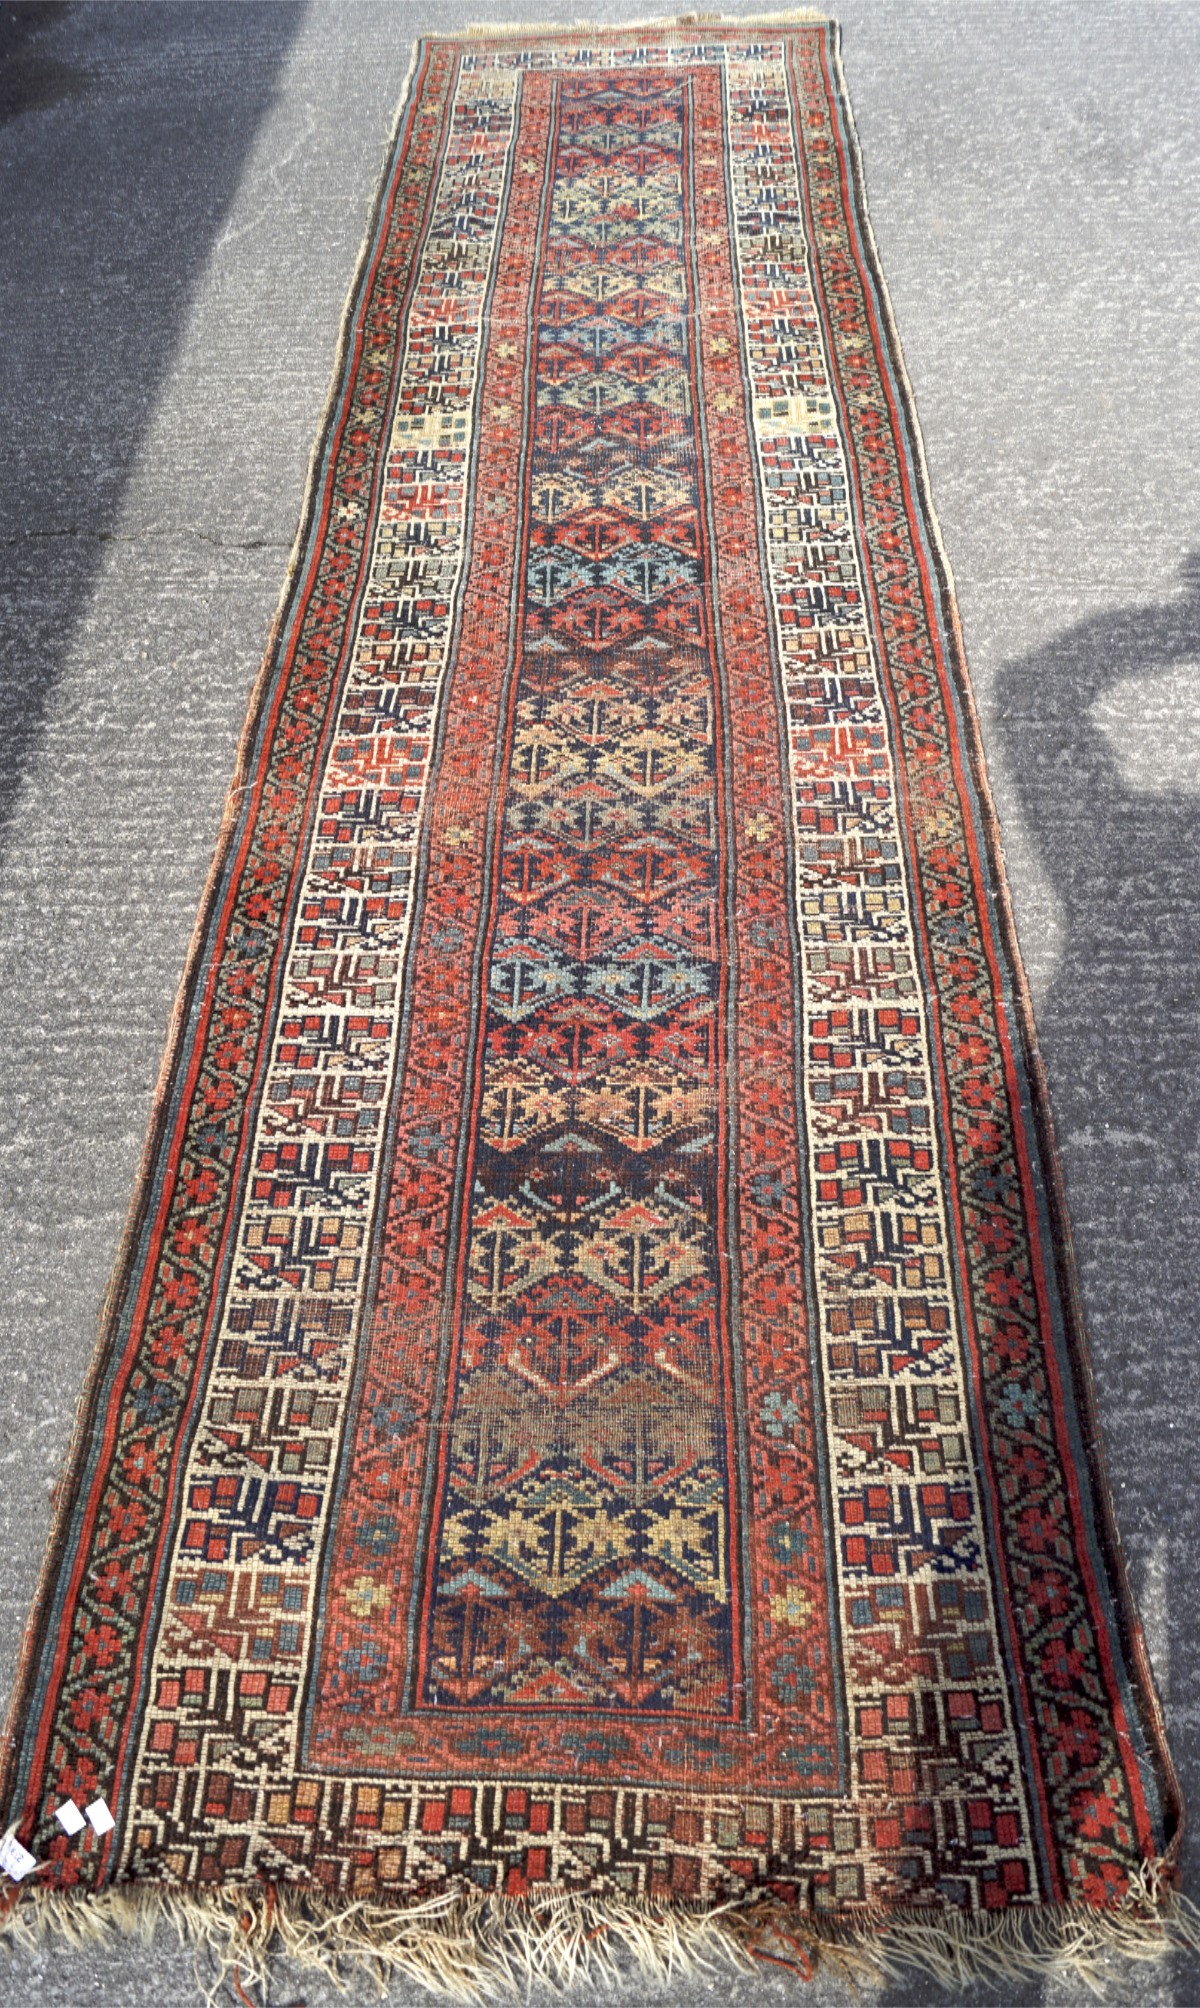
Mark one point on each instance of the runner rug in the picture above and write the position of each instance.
(591, 1442)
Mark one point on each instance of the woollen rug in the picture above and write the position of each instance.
(591, 1444)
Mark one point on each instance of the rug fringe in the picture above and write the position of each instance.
(476, 1948)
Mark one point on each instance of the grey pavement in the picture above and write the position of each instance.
(183, 188)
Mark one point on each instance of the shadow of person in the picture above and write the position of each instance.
(1100, 730)
(30, 80)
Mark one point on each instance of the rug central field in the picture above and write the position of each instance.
(593, 1398)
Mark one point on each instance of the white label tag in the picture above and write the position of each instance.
(69, 1818)
(100, 1817)
(15, 1860)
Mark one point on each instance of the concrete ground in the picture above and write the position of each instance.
(182, 192)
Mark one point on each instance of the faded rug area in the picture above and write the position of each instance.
(591, 1443)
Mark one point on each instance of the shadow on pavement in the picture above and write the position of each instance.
(29, 78)
(1101, 730)
(124, 130)
(1107, 765)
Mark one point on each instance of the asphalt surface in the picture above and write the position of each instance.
(182, 192)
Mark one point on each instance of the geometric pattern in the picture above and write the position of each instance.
(586, 1481)
(593, 1393)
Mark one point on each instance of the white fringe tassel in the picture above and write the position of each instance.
(473, 1949)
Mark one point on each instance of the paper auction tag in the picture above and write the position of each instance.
(69, 1818)
(100, 1817)
(15, 1860)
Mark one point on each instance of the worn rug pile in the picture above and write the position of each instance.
(591, 1446)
